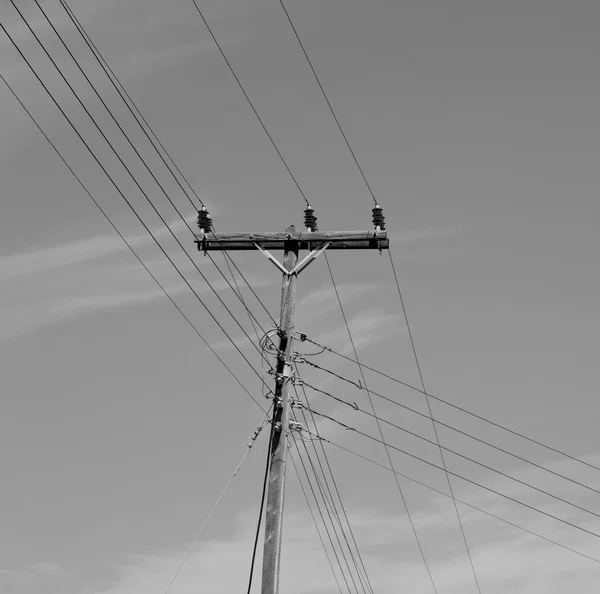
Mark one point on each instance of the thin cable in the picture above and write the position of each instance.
(249, 101)
(437, 438)
(328, 504)
(127, 201)
(289, 18)
(114, 80)
(455, 429)
(324, 452)
(312, 515)
(136, 152)
(262, 505)
(487, 513)
(322, 517)
(379, 427)
(472, 460)
(111, 75)
(458, 475)
(456, 407)
(85, 189)
(212, 511)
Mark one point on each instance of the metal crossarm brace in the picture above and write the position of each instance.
(306, 261)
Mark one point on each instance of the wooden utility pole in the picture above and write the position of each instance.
(291, 241)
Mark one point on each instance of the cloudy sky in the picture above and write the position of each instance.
(476, 123)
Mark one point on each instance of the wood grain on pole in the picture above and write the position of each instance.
(281, 419)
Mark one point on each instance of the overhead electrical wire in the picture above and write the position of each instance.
(262, 504)
(463, 456)
(129, 102)
(439, 492)
(289, 18)
(94, 156)
(330, 508)
(385, 445)
(212, 511)
(324, 523)
(442, 424)
(312, 515)
(136, 152)
(235, 76)
(468, 480)
(333, 480)
(446, 402)
(99, 207)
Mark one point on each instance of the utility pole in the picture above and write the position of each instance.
(291, 242)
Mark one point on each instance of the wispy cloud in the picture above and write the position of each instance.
(503, 556)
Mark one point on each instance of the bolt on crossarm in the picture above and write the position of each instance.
(291, 242)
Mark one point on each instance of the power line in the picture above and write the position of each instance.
(337, 559)
(328, 509)
(250, 102)
(123, 93)
(385, 445)
(312, 515)
(212, 511)
(289, 18)
(438, 422)
(331, 504)
(470, 505)
(450, 404)
(437, 437)
(127, 201)
(458, 475)
(85, 189)
(113, 78)
(469, 459)
(260, 513)
(136, 152)
(364, 569)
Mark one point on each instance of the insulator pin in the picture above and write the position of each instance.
(378, 218)
(310, 220)
(204, 220)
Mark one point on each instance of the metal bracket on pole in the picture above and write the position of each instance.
(302, 265)
(272, 259)
(309, 259)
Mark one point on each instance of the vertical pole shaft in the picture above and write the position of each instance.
(280, 426)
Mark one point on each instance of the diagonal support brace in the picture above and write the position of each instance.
(302, 265)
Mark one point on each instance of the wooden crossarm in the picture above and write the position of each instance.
(273, 241)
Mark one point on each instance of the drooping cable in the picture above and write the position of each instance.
(468, 480)
(312, 515)
(440, 423)
(454, 406)
(235, 76)
(103, 212)
(439, 492)
(262, 505)
(385, 445)
(104, 170)
(433, 424)
(463, 456)
(130, 103)
(330, 509)
(289, 18)
(324, 523)
(339, 497)
(212, 511)
(138, 155)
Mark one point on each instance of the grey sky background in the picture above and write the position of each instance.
(477, 125)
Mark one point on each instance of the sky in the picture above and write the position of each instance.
(476, 124)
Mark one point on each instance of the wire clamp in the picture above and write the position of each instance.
(295, 426)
